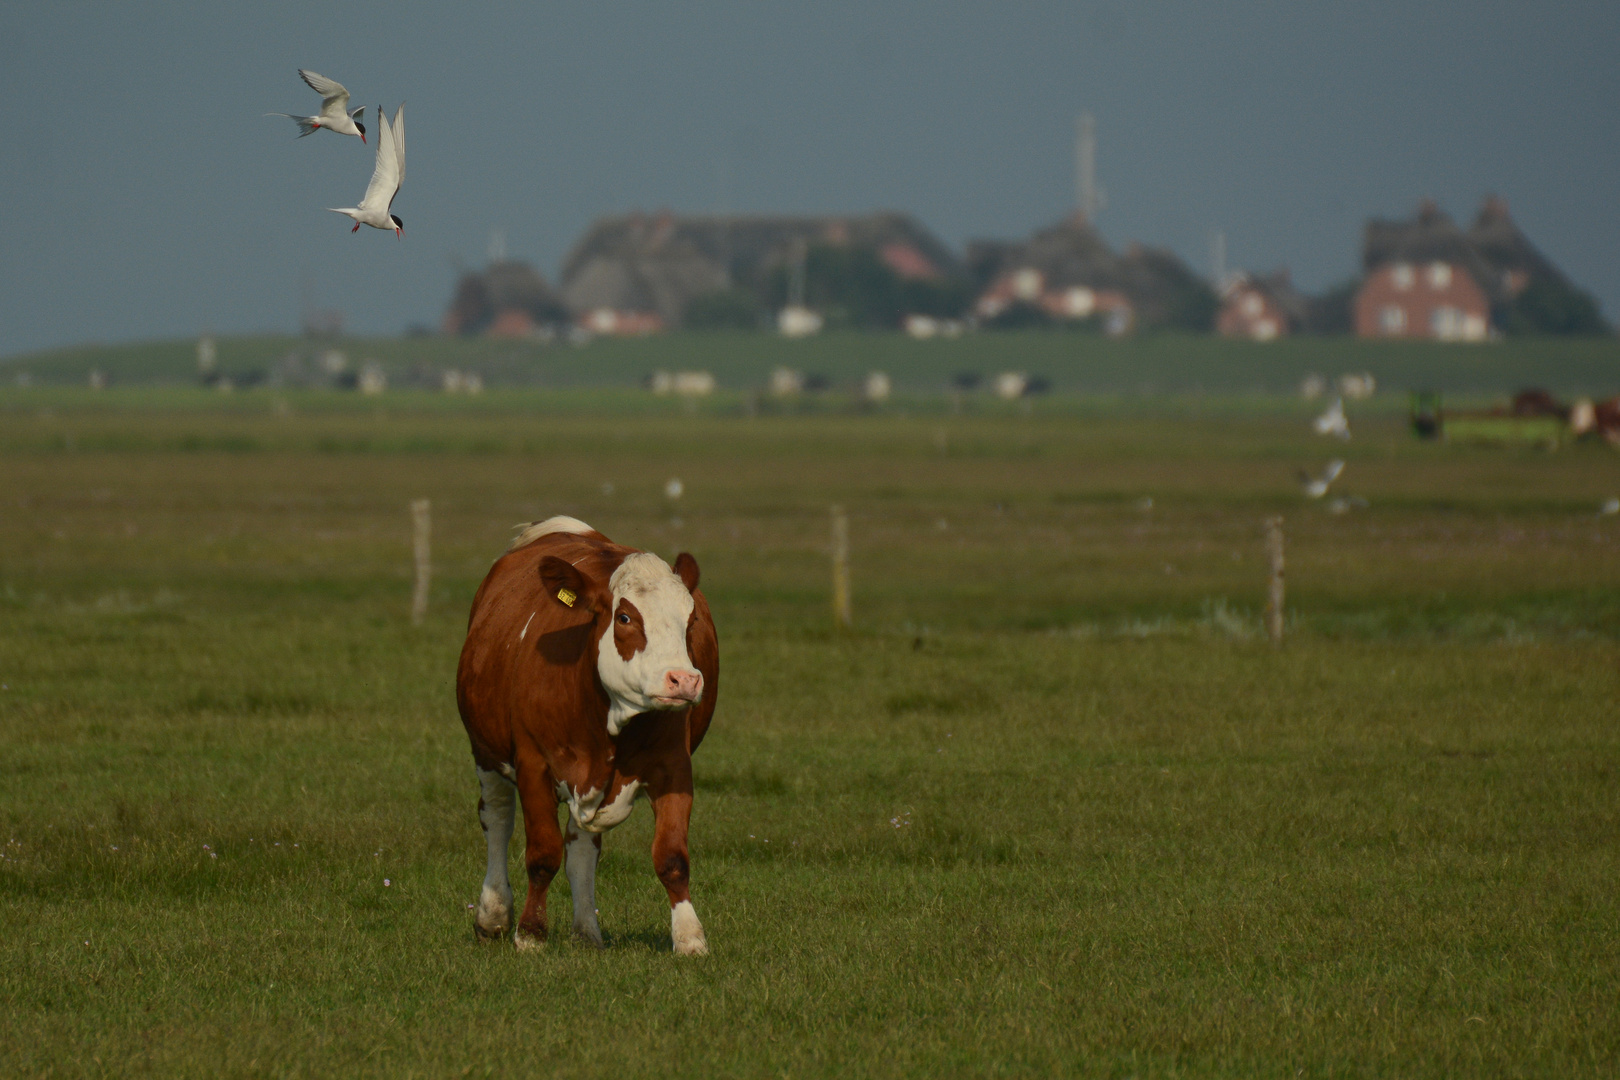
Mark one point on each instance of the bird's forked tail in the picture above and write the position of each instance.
(307, 125)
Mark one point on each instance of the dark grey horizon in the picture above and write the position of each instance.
(147, 196)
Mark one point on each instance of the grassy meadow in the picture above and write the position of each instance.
(1052, 807)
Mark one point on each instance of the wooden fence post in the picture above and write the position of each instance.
(840, 566)
(1274, 588)
(421, 540)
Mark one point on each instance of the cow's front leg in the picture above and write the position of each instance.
(543, 852)
(497, 813)
(583, 850)
(672, 810)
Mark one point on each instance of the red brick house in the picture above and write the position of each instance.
(515, 323)
(1427, 278)
(619, 323)
(1259, 308)
(1437, 299)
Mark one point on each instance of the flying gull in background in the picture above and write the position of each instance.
(1317, 486)
(1333, 422)
(335, 114)
(385, 178)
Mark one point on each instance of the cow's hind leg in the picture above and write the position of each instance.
(543, 853)
(584, 849)
(497, 811)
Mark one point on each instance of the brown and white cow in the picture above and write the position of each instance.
(588, 678)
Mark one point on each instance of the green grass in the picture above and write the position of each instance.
(1054, 807)
(1150, 366)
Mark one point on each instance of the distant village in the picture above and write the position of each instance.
(642, 273)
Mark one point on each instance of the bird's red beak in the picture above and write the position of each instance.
(363, 137)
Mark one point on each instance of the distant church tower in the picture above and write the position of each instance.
(1089, 198)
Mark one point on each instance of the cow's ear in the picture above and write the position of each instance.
(686, 568)
(564, 583)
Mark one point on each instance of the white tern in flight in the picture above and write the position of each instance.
(335, 114)
(385, 178)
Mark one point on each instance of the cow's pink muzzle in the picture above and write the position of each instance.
(681, 687)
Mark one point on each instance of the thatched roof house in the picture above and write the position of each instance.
(1070, 254)
(1429, 237)
(1517, 262)
(1524, 291)
(658, 264)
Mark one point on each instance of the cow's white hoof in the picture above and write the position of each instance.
(686, 932)
(696, 945)
(527, 942)
(494, 915)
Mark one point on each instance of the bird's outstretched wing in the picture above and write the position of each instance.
(385, 177)
(334, 96)
(1334, 468)
(399, 143)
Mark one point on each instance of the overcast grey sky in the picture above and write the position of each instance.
(144, 195)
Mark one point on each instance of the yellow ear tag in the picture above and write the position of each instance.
(567, 596)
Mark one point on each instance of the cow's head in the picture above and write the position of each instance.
(641, 658)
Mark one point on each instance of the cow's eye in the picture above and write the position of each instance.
(623, 618)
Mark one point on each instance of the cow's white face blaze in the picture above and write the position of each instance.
(642, 658)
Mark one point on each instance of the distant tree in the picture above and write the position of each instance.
(1553, 308)
(1165, 292)
(1192, 306)
(1020, 315)
(725, 309)
(943, 298)
(470, 309)
(481, 297)
(852, 286)
(1334, 311)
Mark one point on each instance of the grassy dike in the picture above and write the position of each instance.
(1150, 366)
